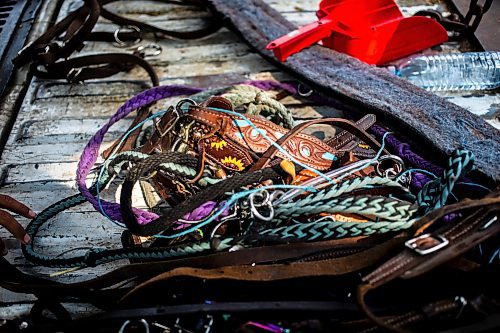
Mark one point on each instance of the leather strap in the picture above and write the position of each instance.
(79, 69)
(442, 246)
(212, 27)
(345, 138)
(77, 25)
(275, 272)
(338, 122)
(17, 281)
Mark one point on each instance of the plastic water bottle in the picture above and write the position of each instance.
(460, 71)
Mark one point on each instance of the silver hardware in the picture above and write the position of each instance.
(225, 219)
(391, 172)
(208, 327)
(404, 179)
(128, 322)
(155, 48)
(463, 303)
(258, 200)
(235, 248)
(180, 329)
(163, 327)
(327, 218)
(302, 93)
(121, 43)
(183, 101)
(489, 222)
(24, 48)
(416, 243)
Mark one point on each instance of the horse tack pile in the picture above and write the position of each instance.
(243, 204)
(232, 182)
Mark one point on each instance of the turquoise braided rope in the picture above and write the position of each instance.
(373, 206)
(435, 193)
(328, 230)
(72, 201)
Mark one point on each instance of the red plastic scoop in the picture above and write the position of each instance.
(373, 31)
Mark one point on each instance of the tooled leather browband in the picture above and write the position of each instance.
(236, 132)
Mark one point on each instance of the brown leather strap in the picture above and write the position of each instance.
(213, 25)
(338, 122)
(276, 272)
(442, 246)
(344, 138)
(45, 50)
(20, 282)
(96, 66)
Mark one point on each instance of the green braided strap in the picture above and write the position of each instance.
(373, 206)
(166, 253)
(434, 194)
(328, 230)
(340, 189)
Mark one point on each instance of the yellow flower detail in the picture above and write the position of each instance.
(234, 161)
(218, 144)
(363, 146)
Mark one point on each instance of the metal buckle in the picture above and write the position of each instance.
(126, 323)
(169, 125)
(258, 200)
(418, 244)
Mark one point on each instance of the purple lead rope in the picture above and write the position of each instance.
(403, 150)
(91, 151)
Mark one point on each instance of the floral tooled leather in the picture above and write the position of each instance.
(304, 148)
(226, 154)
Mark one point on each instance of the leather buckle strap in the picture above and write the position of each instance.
(427, 243)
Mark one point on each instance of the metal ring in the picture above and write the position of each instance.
(304, 94)
(265, 202)
(183, 101)
(121, 43)
(157, 49)
(399, 166)
(128, 322)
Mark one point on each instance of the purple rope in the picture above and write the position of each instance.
(418, 180)
(91, 151)
(404, 151)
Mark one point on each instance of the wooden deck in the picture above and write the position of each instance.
(56, 119)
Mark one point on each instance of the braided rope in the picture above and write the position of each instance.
(91, 151)
(342, 188)
(380, 207)
(260, 103)
(434, 194)
(327, 230)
